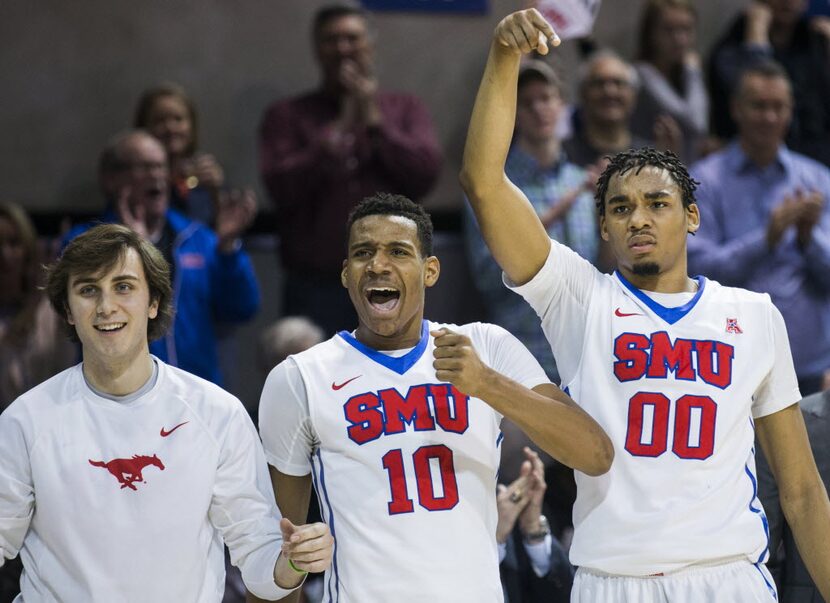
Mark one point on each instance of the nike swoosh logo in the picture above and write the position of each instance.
(617, 312)
(164, 433)
(335, 386)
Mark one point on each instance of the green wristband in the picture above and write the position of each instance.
(295, 568)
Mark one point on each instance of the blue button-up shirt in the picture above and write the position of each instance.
(735, 199)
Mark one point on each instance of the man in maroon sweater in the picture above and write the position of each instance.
(325, 150)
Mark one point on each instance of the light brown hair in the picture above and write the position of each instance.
(148, 100)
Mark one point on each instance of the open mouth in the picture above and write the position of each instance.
(109, 328)
(383, 299)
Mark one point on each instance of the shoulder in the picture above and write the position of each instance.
(324, 352)
(207, 400)
(722, 293)
(44, 399)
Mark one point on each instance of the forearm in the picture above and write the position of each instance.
(809, 518)
(491, 126)
(552, 421)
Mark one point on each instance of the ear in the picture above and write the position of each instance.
(432, 270)
(343, 275)
(154, 309)
(603, 231)
(69, 318)
(693, 218)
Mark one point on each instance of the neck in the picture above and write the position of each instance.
(545, 152)
(613, 136)
(761, 156)
(675, 280)
(406, 337)
(120, 378)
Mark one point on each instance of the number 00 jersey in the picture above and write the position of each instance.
(676, 389)
(404, 465)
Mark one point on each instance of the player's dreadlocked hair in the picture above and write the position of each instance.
(637, 160)
(387, 204)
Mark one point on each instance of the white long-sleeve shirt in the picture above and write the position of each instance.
(131, 500)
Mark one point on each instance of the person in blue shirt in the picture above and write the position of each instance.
(213, 278)
(767, 225)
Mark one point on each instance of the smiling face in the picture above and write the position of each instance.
(387, 276)
(110, 312)
(646, 224)
(608, 92)
(170, 121)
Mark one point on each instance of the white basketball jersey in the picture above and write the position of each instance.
(406, 467)
(676, 390)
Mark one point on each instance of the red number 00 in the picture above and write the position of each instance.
(401, 503)
(639, 442)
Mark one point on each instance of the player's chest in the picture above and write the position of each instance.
(160, 454)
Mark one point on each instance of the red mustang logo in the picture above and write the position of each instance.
(128, 471)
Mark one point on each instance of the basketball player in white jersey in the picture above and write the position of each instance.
(120, 478)
(680, 372)
(397, 425)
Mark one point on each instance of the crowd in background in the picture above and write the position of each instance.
(753, 125)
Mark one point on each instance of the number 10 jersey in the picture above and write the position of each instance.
(404, 465)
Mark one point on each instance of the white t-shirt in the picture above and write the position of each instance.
(131, 501)
(676, 389)
(404, 465)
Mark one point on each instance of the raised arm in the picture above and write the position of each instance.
(803, 497)
(506, 219)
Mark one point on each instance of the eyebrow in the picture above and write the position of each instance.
(369, 243)
(661, 194)
(617, 199)
(85, 280)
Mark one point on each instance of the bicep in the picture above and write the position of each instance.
(513, 232)
(292, 493)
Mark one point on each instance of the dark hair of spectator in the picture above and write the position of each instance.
(334, 11)
(386, 204)
(167, 89)
(642, 158)
(649, 22)
(23, 320)
(536, 74)
(766, 68)
(97, 251)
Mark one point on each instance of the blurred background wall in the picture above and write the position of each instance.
(71, 73)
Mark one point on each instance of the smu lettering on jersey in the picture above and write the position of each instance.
(405, 469)
(676, 390)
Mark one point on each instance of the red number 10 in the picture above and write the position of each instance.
(401, 503)
(681, 440)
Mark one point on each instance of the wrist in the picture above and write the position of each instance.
(536, 531)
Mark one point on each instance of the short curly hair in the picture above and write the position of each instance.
(387, 204)
(97, 251)
(637, 159)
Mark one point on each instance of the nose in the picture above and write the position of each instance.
(106, 304)
(378, 264)
(638, 218)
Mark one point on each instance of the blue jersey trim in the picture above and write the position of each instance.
(401, 364)
(758, 510)
(770, 587)
(321, 489)
(670, 315)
